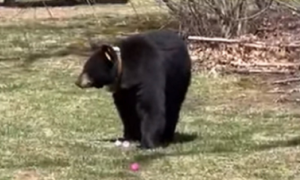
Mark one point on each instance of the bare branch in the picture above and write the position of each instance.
(285, 81)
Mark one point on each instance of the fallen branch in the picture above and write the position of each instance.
(208, 39)
(286, 99)
(261, 64)
(276, 91)
(285, 81)
(248, 71)
(259, 45)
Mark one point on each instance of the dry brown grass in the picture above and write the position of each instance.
(60, 13)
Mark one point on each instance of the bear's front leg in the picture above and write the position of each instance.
(125, 103)
(151, 110)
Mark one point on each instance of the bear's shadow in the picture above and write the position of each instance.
(179, 138)
(184, 137)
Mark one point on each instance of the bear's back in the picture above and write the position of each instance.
(166, 43)
(173, 48)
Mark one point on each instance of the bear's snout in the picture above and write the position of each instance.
(83, 81)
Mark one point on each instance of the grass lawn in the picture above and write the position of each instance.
(230, 128)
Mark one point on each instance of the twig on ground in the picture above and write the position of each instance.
(214, 39)
(134, 9)
(262, 64)
(285, 81)
(248, 71)
(93, 9)
(278, 91)
(48, 10)
(259, 45)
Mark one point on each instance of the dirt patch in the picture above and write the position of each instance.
(27, 175)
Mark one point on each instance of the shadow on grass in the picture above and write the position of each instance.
(210, 145)
(146, 159)
(184, 138)
(228, 148)
(179, 138)
(29, 58)
(110, 33)
(33, 57)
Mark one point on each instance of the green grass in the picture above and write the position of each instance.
(229, 128)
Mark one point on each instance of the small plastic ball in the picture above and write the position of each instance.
(126, 144)
(118, 143)
(134, 166)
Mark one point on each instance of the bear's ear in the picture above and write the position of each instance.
(109, 53)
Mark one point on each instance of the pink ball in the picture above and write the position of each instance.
(134, 166)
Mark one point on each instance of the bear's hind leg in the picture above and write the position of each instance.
(151, 110)
(175, 98)
(172, 117)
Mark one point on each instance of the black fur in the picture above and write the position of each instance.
(156, 73)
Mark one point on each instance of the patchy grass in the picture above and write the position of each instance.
(229, 128)
(28, 41)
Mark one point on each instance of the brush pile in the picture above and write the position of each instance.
(273, 48)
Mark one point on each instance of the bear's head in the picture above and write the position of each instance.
(102, 68)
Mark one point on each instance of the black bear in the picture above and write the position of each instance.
(149, 77)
